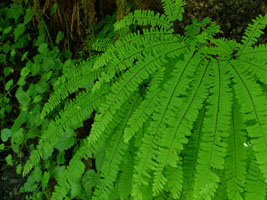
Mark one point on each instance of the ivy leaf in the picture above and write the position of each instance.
(24, 56)
(7, 30)
(8, 84)
(9, 160)
(65, 142)
(16, 140)
(18, 169)
(58, 172)
(24, 72)
(15, 12)
(90, 179)
(5, 134)
(43, 48)
(21, 81)
(75, 187)
(2, 147)
(60, 36)
(28, 16)
(13, 53)
(37, 99)
(22, 97)
(37, 174)
(7, 71)
(19, 31)
(33, 67)
(54, 9)
(45, 180)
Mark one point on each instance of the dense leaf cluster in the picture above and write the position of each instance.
(177, 116)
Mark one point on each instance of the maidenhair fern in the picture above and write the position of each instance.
(177, 116)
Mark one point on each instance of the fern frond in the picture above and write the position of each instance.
(115, 150)
(175, 181)
(140, 47)
(180, 116)
(74, 170)
(85, 152)
(146, 152)
(215, 128)
(223, 48)
(220, 193)
(127, 42)
(235, 162)
(173, 9)
(146, 108)
(81, 76)
(254, 110)
(74, 112)
(254, 62)
(101, 44)
(128, 84)
(255, 184)
(125, 179)
(143, 18)
(254, 31)
(190, 155)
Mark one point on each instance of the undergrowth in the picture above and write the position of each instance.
(173, 116)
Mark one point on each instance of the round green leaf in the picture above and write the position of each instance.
(37, 99)
(9, 159)
(5, 134)
(2, 147)
(9, 84)
(18, 169)
(7, 71)
(19, 30)
(24, 72)
(45, 180)
(22, 97)
(7, 30)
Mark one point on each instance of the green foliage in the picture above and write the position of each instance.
(30, 67)
(176, 116)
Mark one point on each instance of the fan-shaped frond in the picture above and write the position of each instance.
(129, 83)
(171, 112)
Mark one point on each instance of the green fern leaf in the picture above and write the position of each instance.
(143, 18)
(254, 31)
(173, 9)
(235, 163)
(76, 111)
(255, 184)
(115, 150)
(215, 128)
(191, 153)
(180, 126)
(254, 110)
